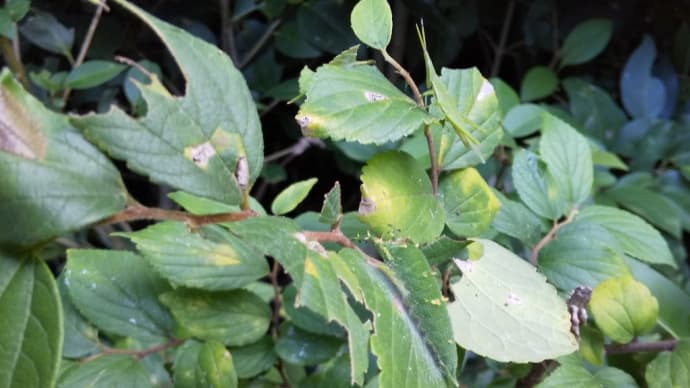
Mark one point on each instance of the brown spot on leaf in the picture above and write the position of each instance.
(200, 154)
(20, 134)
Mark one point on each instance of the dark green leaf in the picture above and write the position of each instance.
(7, 26)
(206, 364)
(670, 369)
(651, 205)
(585, 41)
(46, 32)
(55, 181)
(593, 108)
(17, 8)
(305, 315)
(132, 91)
(81, 338)
(196, 142)
(118, 292)
(300, 347)
(324, 24)
(332, 208)
(508, 315)
(253, 359)
(288, 199)
(469, 203)
(516, 220)
(539, 82)
(290, 42)
(92, 73)
(576, 376)
(32, 323)
(234, 318)
(372, 22)
(193, 260)
(643, 96)
(397, 200)
(115, 370)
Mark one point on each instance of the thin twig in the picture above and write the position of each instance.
(14, 62)
(500, 48)
(398, 40)
(406, 76)
(277, 299)
(140, 212)
(335, 236)
(296, 149)
(550, 235)
(432, 157)
(556, 50)
(139, 354)
(634, 347)
(88, 38)
(259, 44)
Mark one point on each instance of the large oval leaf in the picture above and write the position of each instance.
(92, 73)
(670, 369)
(114, 370)
(585, 41)
(508, 315)
(643, 96)
(538, 82)
(207, 364)
(397, 200)
(193, 143)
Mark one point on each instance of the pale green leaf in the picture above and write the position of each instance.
(411, 323)
(635, 236)
(288, 199)
(215, 261)
(355, 102)
(476, 103)
(651, 205)
(118, 291)
(508, 315)
(469, 203)
(92, 73)
(506, 95)
(32, 323)
(585, 41)
(114, 370)
(196, 142)
(234, 318)
(54, 180)
(608, 159)
(206, 364)
(516, 220)
(577, 376)
(670, 369)
(523, 120)
(397, 200)
(372, 22)
(332, 208)
(674, 310)
(253, 359)
(200, 205)
(592, 345)
(568, 160)
(539, 82)
(300, 347)
(582, 253)
(535, 187)
(623, 308)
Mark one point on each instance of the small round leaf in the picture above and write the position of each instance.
(372, 22)
(539, 82)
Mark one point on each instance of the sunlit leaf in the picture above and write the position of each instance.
(372, 22)
(288, 199)
(670, 369)
(469, 203)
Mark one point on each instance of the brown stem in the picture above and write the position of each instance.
(14, 62)
(634, 347)
(88, 38)
(398, 41)
(550, 235)
(140, 212)
(277, 299)
(556, 50)
(500, 48)
(406, 76)
(139, 354)
(335, 236)
(432, 158)
(536, 374)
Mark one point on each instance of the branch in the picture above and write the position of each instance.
(88, 38)
(259, 44)
(500, 49)
(634, 347)
(139, 354)
(296, 149)
(550, 235)
(335, 236)
(140, 212)
(14, 62)
(406, 76)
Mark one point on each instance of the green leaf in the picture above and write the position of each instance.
(118, 292)
(332, 209)
(523, 120)
(372, 22)
(635, 236)
(506, 95)
(134, 74)
(408, 315)
(474, 100)
(608, 159)
(196, 142)
(46, 32)
(253, 359)
(585, 41)
(510, 315)
(516, 220)
(234, 318)
(576, 376)
(113, 370)
(17, 8)
(582, 253)
(300, 347)
(535, 187)
(355, 102)
(47, 166)
(568, 160)
(592, 345)
(288, 199)
(539, 82)
(305, 314)
(651, 205)
(623, 308)
(93, 73)
(203, 206)
(331, 374)
(7, 26)
(206, 364)
(593, 108)
(469, 203)
(81, 338)
(670, 369)
(215, 261)
(397, 200)
(32, 323)
(325, 25)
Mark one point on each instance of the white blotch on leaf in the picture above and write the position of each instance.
(242, 172)
(303, 120)
(464, 265)
(200, 154)
(366, 206)
(373, 96)
(133, 321)
(486, 90)
(513, 299)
